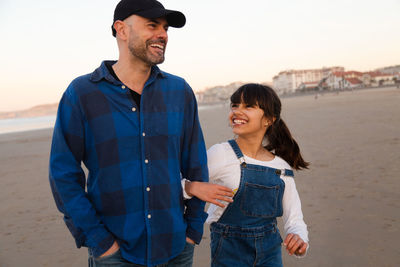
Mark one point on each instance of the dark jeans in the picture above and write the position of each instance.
(185, 259)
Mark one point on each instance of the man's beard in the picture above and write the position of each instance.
(140, 51)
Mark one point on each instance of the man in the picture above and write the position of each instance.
(137, 131)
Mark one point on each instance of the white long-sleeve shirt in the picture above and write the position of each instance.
(224, 169)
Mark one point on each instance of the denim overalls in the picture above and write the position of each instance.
(246, 234)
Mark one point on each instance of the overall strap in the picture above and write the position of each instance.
(240, 156)
(237, 150)
(284, 172)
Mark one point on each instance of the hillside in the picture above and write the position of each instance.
(36, 111)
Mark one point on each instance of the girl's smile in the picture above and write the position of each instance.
(247, 120)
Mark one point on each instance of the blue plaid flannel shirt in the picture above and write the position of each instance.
(135, 162)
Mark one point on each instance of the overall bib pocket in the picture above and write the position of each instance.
(259, 200)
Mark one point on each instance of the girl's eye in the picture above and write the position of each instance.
(234, 105)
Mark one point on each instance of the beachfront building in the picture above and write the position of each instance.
(290, 81)
(386, 79)
(397, 80)
(344, 80)
(216, 94)
(390, 70)
(309, 86)
(335, 80)
(376, 78)
(353, 74)
(353, 83)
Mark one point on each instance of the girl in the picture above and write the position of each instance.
(258, 166)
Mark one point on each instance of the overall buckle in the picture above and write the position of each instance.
(242, 162)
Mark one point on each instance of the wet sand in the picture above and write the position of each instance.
(350, 195)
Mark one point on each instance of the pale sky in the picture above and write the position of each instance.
(47, 43)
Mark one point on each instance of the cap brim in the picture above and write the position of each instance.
(174, 18)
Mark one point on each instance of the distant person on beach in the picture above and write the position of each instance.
(137, 131)
(257, 165)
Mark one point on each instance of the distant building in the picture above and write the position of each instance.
(376, 78)
(353, 74)
(389, 70)
(217, 93)
(397, 80)
(344, 80)
(353, 83)
(335, 80)
(289, 81)
(309, 86)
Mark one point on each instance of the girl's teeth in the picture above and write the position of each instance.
(239, 121)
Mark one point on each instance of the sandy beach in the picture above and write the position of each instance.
(350, 196)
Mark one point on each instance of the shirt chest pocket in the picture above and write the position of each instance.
(260, 200)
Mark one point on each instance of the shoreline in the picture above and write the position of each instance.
(311, 93)
(47, 121)
(26, 124)
(47, 110)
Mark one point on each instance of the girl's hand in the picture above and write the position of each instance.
(295, 245)
(209, 192)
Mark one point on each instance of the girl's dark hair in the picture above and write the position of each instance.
(280, 140)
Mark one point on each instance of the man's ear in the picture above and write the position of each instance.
(121, 29)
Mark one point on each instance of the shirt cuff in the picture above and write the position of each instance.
(103, 246)
(185, 195)
(194, 235)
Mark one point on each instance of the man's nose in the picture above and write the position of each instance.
(162, 34)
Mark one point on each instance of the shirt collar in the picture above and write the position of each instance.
(103, 73)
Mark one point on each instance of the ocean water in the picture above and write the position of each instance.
(26, 124)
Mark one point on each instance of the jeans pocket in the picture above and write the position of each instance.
(259, 200)
(114, 257)
(190, 244)
(184, 259)
(215, 244)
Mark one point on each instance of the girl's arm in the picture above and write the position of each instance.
(296, 240)
(211, 192)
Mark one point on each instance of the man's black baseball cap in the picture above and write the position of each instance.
(150, 9)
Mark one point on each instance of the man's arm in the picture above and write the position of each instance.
(67, 179)
(193, 165)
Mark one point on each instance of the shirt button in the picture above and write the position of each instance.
(148, 189)
(123, 86)
(149, 216)
(133, 109)
(143, 134)
(146, 161)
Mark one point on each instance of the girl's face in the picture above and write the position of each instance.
(248, 121)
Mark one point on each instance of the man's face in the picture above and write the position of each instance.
(148, 39)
